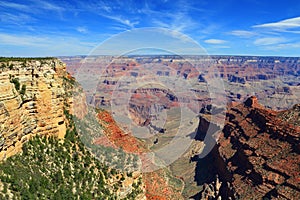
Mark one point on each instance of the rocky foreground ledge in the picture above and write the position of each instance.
(257, 156)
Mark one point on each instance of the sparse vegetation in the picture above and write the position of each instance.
(88, 130)
(23, 90)
(16, 82)
(23, 59)
(52, 168)
(49, 168)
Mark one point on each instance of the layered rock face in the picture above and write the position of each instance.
(147, 104)
(31, 102)
(257, 155)
(274, 80)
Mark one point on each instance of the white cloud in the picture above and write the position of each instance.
(34, 7)
(44, 45)
(106, 8)
(17, 18)
(178, 19)
(49, 6)
(175, 34)
(242, 33)
(215, 41)
(82, 29)
(121, 20)
(180, 36)
(103, 6)
(14, 6)
(284, 46)
(16, 40)
(269, 41)
(281, 25)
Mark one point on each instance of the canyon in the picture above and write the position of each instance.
(153, 103)
(254, 149)
(273, 80)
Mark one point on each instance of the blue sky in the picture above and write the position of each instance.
(243, 27)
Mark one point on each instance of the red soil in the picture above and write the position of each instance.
(156, 183)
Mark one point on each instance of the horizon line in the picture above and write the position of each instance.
(152, 55)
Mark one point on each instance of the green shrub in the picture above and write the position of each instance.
(23, 89)
(17, 83)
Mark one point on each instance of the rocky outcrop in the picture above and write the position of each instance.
(257, 156)
(292, 115)
(236, 79)
(31, 102)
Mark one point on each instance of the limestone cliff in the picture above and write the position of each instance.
(31, 101)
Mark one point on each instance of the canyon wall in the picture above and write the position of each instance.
(38, 97)
(257, 155)
(31, 101)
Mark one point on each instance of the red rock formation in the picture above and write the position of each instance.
(257, 155)
(117, 137)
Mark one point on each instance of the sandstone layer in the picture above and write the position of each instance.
(31, 102)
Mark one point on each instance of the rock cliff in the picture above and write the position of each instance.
(257, 155)
(39, 98)
(31, 101)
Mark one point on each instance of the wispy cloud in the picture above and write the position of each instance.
(81, 29)
(121, 23)
(49, 6)
(283, 25)
(242, 33)
(175, 34)
(215, 41)
(15, 6)
(129, 15)
(22, 13)
(111, 11)
(40, 41)
(34, 7)
(284, 46)
(45, 45)
(269, 41)
(16, 19)
(178, 22)
(215, 48)
(101, 5)
(178, 19)
(24, 40)
(122, 20)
